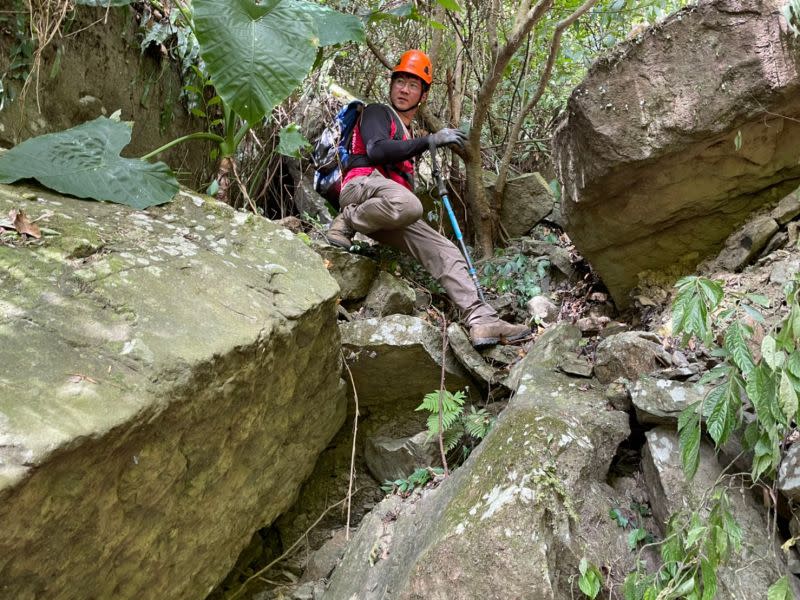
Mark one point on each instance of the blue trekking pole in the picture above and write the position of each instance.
(453, 221)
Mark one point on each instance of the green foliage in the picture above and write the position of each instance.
(291, 141)
(457, 424)
(636, 533)
(85, 162)
(257, 54)
(780, 590)
(20, 53)
(452, 407)
(590, 580)
(519, 274)
(769, 382)
(697, 298)
(791, 12)
(417, 479)
(692, 552)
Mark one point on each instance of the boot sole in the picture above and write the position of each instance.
(339, 244)
(491, 341)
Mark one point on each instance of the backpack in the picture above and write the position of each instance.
(331, 152)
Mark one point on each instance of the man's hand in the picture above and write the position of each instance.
(446, 136)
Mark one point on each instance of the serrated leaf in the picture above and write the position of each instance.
(736, 345)
(689, 436)
(711, 290)
(635, 536)
(787, 397)
(694, 534)
(618, 517)
(780, 590)
(715, 406)
(291, 141)
(769, 350)
(793, 364)
(756, 388)
(84, 162)
(590, 579)
(256, 54)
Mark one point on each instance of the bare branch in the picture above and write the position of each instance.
(378, 54)
(503, 58)
(555, 47)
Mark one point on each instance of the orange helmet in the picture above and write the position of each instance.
(415, 62)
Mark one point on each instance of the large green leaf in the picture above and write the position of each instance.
(333, 27)
(256, 54)
(84, 161)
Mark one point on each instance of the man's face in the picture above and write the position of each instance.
(406, 91)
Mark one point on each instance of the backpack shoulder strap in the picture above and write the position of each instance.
(400, 129)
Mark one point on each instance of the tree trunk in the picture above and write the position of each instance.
(484, 225)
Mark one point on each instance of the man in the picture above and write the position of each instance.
(377, 197)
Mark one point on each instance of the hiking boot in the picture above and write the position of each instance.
(486, 334)
(340, 234)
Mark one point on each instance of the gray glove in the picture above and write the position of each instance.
(446, 136)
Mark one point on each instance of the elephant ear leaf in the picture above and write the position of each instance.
(85, 162)
(256, 54)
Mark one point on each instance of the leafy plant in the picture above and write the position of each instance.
(520, 275)
(590, 580)
(763, 378)
(692, 552)
(456, 423)
(85, 162)
(780, 590)
(419, 478)
(636, 533)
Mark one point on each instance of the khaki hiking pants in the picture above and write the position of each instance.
(390, 214)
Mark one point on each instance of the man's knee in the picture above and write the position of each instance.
(409, 210)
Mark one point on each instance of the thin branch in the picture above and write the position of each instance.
(378, 54)
(353, 451)
(441, 394)
(291, 548)
(533, 16)
(555, 47)
(242, 188)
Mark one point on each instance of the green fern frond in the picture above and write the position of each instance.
(478, 423)
(447, 421)
(452, 437)
(451, 402)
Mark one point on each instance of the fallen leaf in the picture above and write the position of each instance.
(22, 224)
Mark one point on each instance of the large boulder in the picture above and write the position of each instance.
(169, 378)
(527, 199)
(515, 519)
(675, 137)
(629, 354)
(396, 360)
